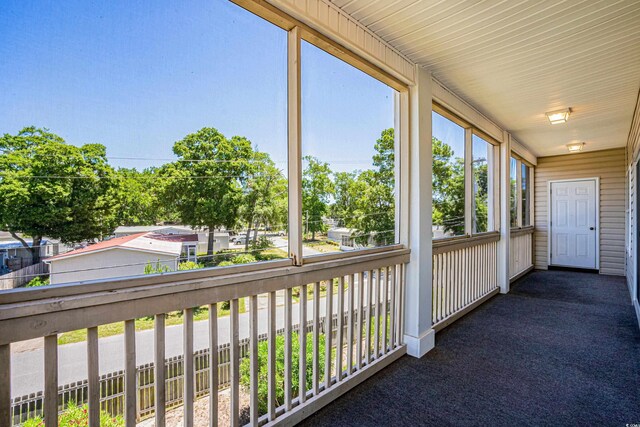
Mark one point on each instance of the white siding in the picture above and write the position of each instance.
(609, 166)
(107, 264)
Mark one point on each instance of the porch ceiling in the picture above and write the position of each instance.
(517, 59)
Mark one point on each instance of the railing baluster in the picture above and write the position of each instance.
(130, 373)
(234, 410)
(328, 331)
(350, 307)
(403, 285)
(271, 338)
(187, 366)
(93, 381)
(302, 335)
(376, 338)
(287, 347)
(253, 349)
(394, 311)
(340, 335)
(359, 319)
(436, 289)
(51, 380)
(316, 338)
(213, 365)
(5, 381)
(385, 310)
(159, 376)
(369, 299)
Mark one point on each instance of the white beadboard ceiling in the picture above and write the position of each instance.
(514, 60)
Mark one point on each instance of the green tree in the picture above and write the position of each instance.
(50, 188)
(205, 185)
(138, 199)
(265, 195)
(317, 189)
(343, 207)
(448, 188)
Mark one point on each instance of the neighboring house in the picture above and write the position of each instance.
(14, 256)
(122, 256)
(342, 236)
(221, 238)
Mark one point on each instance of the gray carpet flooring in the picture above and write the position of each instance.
(562, 348)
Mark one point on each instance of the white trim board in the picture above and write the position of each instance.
(549, 213)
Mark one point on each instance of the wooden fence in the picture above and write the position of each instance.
(23, 276)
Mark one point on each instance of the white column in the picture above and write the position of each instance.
(505, 214)
(419, 336)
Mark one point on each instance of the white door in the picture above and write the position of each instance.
(573, 223)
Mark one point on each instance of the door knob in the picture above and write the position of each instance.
(591, 228)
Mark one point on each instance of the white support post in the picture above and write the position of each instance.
(295, 147)
(419, 335)
(505, 213)
(520, 220)
(469, 200)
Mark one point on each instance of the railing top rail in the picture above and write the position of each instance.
(461, 242)
(522, 230)
(33, 318)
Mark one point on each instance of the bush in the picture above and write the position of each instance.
(37, 281)
(263, 376)
(243, 259)
(158, 268)
(75, 416)
(263, 242)
(225, 264)
(189, 265)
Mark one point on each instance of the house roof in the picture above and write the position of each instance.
(144, 242)
(150, 228)
(183, 238)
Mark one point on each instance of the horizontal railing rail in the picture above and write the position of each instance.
(367, 288)
(450, 244)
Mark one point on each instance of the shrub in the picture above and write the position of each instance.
(263, 376)
(75, 416)
(189, 265)
(263, 242)
(225, 264)
(37, 281)
(158, 268)
(243, 259)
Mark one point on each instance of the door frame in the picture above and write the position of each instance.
(549, 215)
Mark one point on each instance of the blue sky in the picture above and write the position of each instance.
(138, 76)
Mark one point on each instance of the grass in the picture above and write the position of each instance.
(322, 244)
(323, 290)
(144, 323)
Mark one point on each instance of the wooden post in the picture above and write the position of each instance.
(505, 213)
(295, 146)
(419, 336)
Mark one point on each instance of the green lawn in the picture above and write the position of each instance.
(322, 244)
(174, 318)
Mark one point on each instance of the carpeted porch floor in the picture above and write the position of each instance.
(562, 348)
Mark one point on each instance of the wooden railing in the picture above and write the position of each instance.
(520, 252)
(464, 274)
(369, 291)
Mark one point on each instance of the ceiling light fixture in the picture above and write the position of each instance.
(560, 116)
(575, 148)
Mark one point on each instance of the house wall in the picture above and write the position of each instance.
(108, 264)
(632, 156)
(609, 166)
